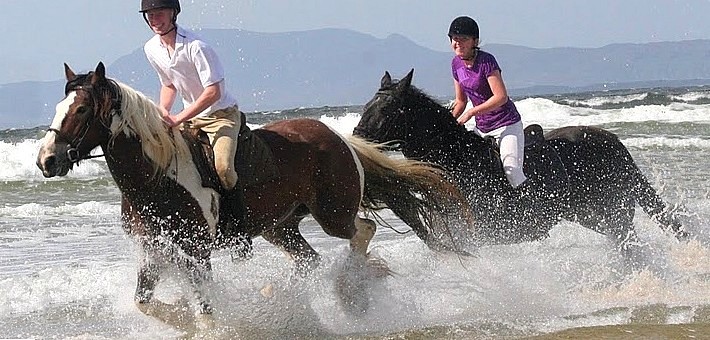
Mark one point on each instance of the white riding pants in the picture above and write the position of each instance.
(511, 141)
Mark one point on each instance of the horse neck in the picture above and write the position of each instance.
(129, 167)
(432, 127)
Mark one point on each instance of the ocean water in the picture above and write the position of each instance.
(68, 271)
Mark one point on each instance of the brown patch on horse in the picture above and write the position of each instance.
(254, 160)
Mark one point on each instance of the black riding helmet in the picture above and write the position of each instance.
(464, 26)
(147, 5)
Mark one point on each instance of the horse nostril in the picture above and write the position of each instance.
(50, 162)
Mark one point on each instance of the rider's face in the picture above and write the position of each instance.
(463, 45)
(160, 19)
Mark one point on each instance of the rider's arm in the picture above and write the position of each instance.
(460, 101)
(209, 96)
(500, 97)
(167, 99)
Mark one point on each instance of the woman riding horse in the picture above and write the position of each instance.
(599, 183)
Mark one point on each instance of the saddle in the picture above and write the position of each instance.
(542, 164)
(254, 160)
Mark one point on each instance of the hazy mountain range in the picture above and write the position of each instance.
(334, 67)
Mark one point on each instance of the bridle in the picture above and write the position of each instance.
(73, 155)
(396, 117)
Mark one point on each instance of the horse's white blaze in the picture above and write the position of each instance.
(61, 110)
(184, 171)
(360, 169)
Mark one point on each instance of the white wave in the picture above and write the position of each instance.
(691, 96)
(344, 125)
(599, 101)
(90, 208)
(669, 142)
(19, 158)
(18, 163)
(550, 114)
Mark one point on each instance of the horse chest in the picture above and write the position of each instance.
(176, 196)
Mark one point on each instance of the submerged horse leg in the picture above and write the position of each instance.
(616, 222)
(148, 270)
(148, 276)
(199, 271)
(359, 244)
(289, 239)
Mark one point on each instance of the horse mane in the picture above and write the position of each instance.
(141, 117)
(426, 104)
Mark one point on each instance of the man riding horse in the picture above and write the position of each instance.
(188, 66)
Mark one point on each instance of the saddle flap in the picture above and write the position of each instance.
(254, 160)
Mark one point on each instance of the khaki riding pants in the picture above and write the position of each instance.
(222, 128)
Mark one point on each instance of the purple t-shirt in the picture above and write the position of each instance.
(474, 82)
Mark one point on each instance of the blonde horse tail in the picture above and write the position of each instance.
(419, 193)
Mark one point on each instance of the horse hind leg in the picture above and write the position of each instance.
(289, 239)
(615, 220)
(365, 231)
(359, 245)
(354, 281)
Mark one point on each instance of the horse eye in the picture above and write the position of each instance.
(82, 110)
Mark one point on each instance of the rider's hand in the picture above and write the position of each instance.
(171, 121)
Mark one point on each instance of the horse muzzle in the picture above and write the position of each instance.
(54, 161)
(363, 133)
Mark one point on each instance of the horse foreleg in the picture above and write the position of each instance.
(289, 239)
(148, 276)
(200, 272)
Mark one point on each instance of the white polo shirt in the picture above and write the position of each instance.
(193, 66)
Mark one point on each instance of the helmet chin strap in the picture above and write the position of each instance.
(170, 30)
(473, 55)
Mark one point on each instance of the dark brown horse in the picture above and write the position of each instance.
(582, 173)
(305, 168)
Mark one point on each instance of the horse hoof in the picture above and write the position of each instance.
(205, 322)
(378, 268)
(241, 249)
(177, 315)
(267, 291)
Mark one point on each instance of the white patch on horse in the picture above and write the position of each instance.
(360, 169)
(61, 110)
(50, 138)
(184, 171)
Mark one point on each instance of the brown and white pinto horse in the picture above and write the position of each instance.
(172, 216)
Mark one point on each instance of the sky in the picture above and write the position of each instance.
(40, 35)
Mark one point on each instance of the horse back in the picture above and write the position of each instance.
(294, 148)
(578, 134)
(593, 155)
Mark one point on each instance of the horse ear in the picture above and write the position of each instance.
(386, 80)
(99, 73)
(406, 81)
(68, 73)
